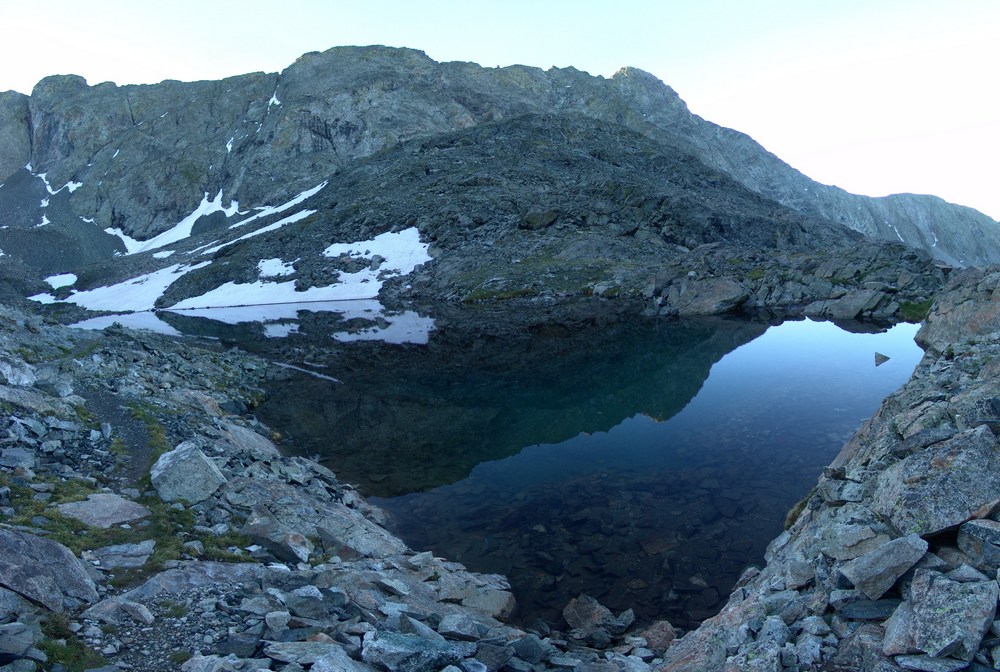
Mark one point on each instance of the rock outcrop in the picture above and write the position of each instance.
(138, 160)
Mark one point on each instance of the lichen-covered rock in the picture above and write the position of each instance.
(951, 618)
(398, 652)
(942, 486)
(980, 541)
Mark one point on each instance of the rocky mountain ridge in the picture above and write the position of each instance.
(132, 161)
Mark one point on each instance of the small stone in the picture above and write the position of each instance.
(929, 664)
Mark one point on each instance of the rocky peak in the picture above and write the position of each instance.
(15, 139)
(146, 156)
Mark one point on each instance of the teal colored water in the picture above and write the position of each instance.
(659, 513)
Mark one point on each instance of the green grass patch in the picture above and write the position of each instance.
(62, 646)
(915, 311)
(158, 442)
(180, 657)
(71, 653)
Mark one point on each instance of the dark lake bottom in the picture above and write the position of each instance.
(646, 463)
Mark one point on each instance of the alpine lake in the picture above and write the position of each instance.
(645, 462)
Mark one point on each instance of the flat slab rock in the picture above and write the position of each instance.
(103, 510)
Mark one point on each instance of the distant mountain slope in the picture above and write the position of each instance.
(145, 156)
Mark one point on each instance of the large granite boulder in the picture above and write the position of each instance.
(289, 509)
(943, 618)
(875, 572)
(185, 473)
(400, 652)
(43, 571)
(942, 486)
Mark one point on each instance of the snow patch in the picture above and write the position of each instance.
(270, 268)
(162, 255)
(45, 221)
(115, 156)
(275, 209)
(71, 185)
(89, 220)
(61, 280)
(134, 295)
(401, 251)
(897, 233)
(229, 145)
(144, 321)
(274, 100)
(280, 329)
(263, 293)
(183, 228)
(131, 244)
(45, 202)
(291, 219)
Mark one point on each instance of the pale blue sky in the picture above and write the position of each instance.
(876, 96)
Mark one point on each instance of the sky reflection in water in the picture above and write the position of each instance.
(667, 511)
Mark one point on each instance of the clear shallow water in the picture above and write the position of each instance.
(663, 513)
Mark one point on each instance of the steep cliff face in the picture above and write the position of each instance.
(139, 159)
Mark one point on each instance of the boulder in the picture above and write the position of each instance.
(400, 652)
(980, 541)
(103, 510)
(499, 604)
(43, 571)
(659, 635)
(587, 614)
(303, 653)
(249, 441)
(285, 544)
(463, 627)
(185, 473)
(950, 618)
(711, 296)
(343, 531)
(942, 486)
(843, 541)
(875, 572)
(122, 555)
(848, 307)
(339, 661)
(17, 458)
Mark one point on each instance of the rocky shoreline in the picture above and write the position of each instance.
(224, 555)
(892, 561)
(198, 546)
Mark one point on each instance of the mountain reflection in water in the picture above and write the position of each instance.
(646, 463)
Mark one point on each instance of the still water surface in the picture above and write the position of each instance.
(643, 462)
(663, 513)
